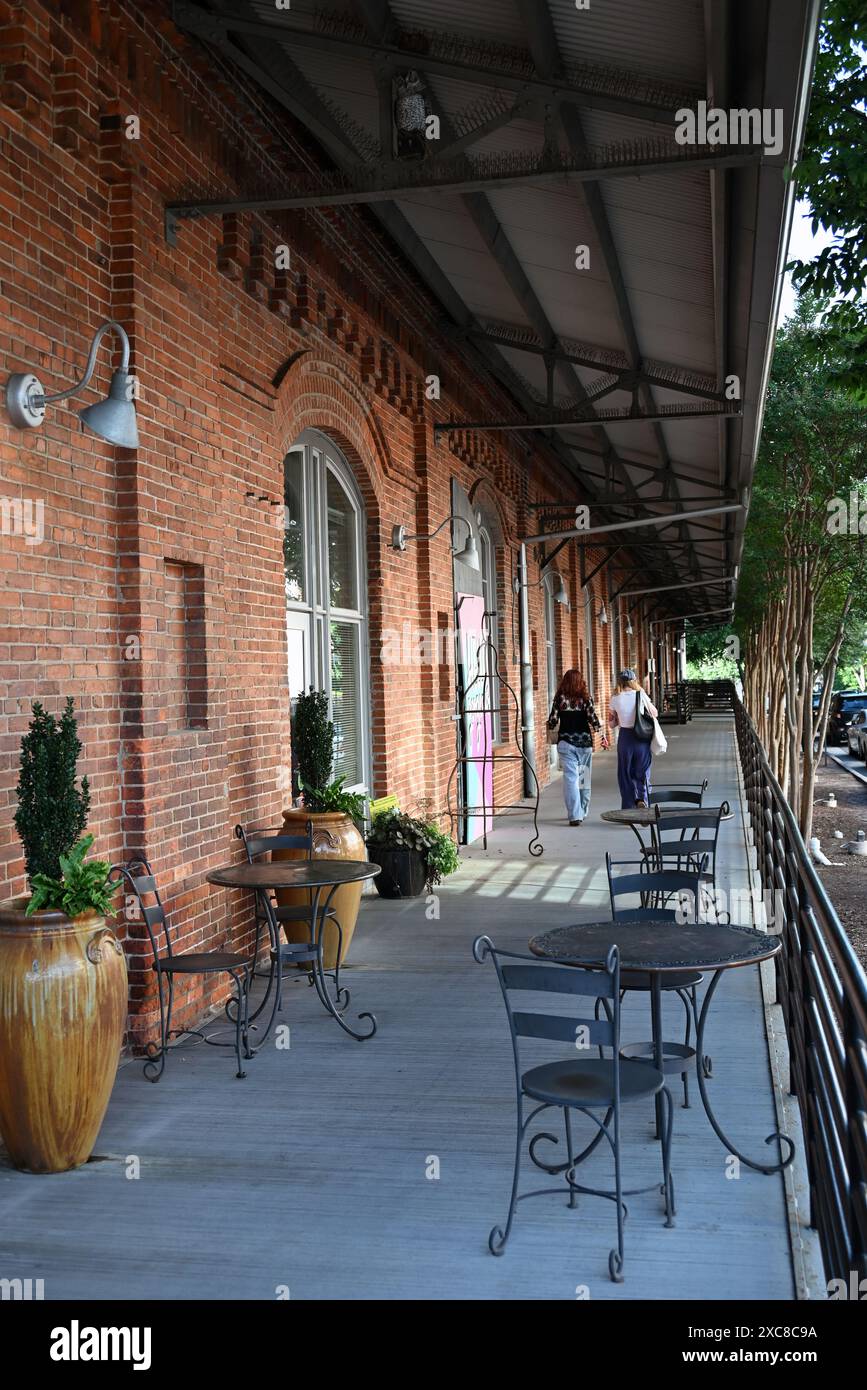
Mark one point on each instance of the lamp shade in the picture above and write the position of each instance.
(469, 555)
(561, 593)
(114, 418)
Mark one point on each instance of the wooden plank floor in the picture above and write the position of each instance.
(311, 1175)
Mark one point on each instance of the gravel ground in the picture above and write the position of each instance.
(845, 879)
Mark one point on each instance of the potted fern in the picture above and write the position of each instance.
(63, 982)
(335, 815)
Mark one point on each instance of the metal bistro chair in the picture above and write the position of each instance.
(272, 916)
(689, 841)
(139, 878)
(589, 1085)
(655, 890)
(678, 794)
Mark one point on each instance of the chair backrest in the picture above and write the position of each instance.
(684, 794)
(520, 974)
(660, 884)
(691, 832)
(140, 884)
(265, 841)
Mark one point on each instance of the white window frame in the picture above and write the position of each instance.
(321, 457)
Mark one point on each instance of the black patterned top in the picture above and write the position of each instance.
(577, 721)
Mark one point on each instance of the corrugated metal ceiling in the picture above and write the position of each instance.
(660, 225)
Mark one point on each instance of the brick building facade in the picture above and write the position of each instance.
(156, 597)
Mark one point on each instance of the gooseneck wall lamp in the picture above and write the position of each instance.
(467, 554)
(112, 419)
(559, 591)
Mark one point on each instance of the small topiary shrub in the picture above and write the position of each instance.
(52, 809)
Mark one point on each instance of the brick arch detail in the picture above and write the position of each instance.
(318, 393)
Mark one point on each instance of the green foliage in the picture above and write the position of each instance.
(397, 830)
(332, 797)
(832, 177)
(313, 739)
(80, 887)
(52, 810)
(832, 172)
(813, 449)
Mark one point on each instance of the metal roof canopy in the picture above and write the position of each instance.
(541, 151)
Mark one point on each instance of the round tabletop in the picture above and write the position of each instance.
(632, 815)
(305, 873)
(657, 945)
(647, 815)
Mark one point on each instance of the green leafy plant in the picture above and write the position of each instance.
(52, 809)
(313, 739)
(395, 829)
(333, 798)
(81, 886)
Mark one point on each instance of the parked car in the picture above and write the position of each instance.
(861, 748)
(845, 704)
(854, 731)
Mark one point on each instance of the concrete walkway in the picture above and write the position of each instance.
(340, 1170)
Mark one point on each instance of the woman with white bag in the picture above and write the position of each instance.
(638, 737)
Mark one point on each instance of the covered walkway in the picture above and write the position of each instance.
(341, 1171)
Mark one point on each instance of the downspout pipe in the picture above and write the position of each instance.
(528, 709)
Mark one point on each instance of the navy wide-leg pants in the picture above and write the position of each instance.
(633, 769)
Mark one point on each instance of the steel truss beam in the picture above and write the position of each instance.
(613, 415)
(460, 56)
(598, 359)
(477, 174)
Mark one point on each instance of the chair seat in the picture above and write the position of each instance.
(674, 979)
(297, 950)
(299, 914)
(200, 962)
(302, 913)
(590, 1083)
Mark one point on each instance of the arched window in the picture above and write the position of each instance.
(326, 606)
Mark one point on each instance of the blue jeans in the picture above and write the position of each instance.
(576, 766)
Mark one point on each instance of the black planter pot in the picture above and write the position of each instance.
(403, 872)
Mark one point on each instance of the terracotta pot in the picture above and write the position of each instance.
(335, 836)
(63, 1007)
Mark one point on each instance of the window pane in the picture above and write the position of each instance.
(342, 541)
(346, 702)
(293, 525)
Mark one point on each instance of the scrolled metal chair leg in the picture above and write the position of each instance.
(499, 1235)
(156, 1058)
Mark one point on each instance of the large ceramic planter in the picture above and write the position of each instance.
(335, 836)
(404, 873)
(63, 1006)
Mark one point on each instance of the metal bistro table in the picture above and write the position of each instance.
(640, 818)
(655, 947)
(316, 875)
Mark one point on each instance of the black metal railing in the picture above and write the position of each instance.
(712, 697)
(677, 701)
(822, 989)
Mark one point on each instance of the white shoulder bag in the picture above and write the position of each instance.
(659, 743)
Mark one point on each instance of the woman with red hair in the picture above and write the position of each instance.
(575, 719)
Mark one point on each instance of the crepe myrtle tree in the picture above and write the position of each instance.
(802, 582)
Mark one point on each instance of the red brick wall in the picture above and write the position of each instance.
(234, 360)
